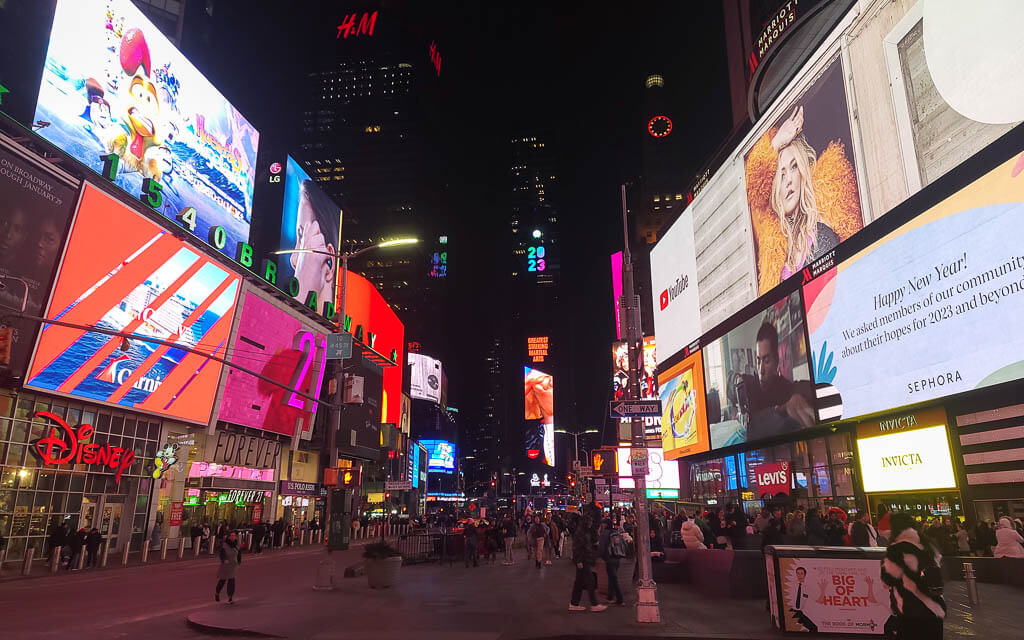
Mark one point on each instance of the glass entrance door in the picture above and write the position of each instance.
(88, 518)
(110, 523)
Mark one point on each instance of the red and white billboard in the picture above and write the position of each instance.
(772, 478)
(374, 324)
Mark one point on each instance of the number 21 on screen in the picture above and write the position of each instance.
(306, 343)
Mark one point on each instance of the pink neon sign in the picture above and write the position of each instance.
(214, 470)
(617, 290)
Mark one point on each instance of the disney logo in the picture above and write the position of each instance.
(65, 445)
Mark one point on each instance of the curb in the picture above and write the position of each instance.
(225, 631)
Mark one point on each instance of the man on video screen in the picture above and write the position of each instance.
(775, 404)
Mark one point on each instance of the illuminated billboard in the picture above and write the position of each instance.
(118, 96)
(539, 406)
(440, 455)
(537, 348)
(374, 324)
(36, 213)
(661, 473)
(648, 363)
(617, 291)
(674, 286)
(885, 324)
(310, 221)
(278, 344)
(138, 279)
(684, 425)
(424, 377)
(906, 461)
(758, 377)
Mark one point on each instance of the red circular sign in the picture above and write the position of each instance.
(659, 126)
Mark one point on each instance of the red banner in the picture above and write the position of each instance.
(176, 509)
(772, 478)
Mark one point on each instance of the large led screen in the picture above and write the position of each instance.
(906, 461)
(539, 405)
(684, 425)
(661, 473)
(123, 273)
(801, 182)
(674, 286)
(617, 291)
(114, 86)
(35, 210)
(280, 346)
(440, 455)
(310, 222)
(930, 309)
(373, 322)
(758, 378)
(646, 366)
(425, 378)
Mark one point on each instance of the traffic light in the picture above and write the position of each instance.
(387, 495)
(6, 336)
(605, 462)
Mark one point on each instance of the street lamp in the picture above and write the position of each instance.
(341, 264)
(576, 438)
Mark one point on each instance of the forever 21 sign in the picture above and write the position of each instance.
(246, 451)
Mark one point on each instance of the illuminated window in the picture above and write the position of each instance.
(679, 196)
(656, 199)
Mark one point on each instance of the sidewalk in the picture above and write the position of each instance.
(511, 603)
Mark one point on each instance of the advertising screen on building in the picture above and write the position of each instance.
(425, 378)
(648, 363)
(617, 291)
(539, 405)
(278, 344)
(373, 323)
(661, 473)
(140, 279)
(684, 425)
(114, 86)
(36, 213)
(801, 182)
(674, 286)
(440, 455)
(906, 461)
(758, 378)
(311, 221)
(922, 313)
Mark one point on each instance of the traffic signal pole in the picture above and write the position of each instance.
(647, 593)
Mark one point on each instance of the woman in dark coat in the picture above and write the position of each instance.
(815, 529)
(230, 558)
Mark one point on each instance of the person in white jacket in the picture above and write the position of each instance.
(1008, 541)
(691, 534)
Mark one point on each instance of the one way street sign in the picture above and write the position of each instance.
(637, 409)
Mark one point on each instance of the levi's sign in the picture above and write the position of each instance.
(638, 409)
(773, 478)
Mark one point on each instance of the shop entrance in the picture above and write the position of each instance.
(105, 513)
(923, 505)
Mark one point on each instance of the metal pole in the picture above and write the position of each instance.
(647, 595)
(339, 384)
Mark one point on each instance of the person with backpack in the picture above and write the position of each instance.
(613, 549)
(912, 571)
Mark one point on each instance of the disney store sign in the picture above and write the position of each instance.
(66, 445)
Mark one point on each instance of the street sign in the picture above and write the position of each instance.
(586, 471)
(635, 408)
(398, 485)
(575, 465)
(638, 462)
(339, 346)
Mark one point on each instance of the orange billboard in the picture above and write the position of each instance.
(122, 272)
(684, 424)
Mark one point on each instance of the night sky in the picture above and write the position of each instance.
(575, 69)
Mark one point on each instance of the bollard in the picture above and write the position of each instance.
(302, 537)
(124, 553)
(145, 551)
(81, 560)
(972, 583)
(197, 542)
(181, 548)
(163, 549)
(212, 540)
(26, 564)
(106, 550)
(55, 559)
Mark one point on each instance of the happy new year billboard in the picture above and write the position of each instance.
(118, 96)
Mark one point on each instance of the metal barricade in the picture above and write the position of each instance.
(419, 547)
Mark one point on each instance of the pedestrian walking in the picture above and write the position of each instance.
(258, 531)
(230, 557)
(471, 535)
(508, 532)
(92, 546)
(550, 541)
(584, 556)
(536, 537)
(57, 539)
(816, 535)
(76, 540)
(912, 571)
(613, 549)
(862, 534)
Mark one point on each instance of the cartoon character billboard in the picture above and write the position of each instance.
(118, 96)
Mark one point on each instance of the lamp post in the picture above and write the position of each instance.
(330, 445)
(576, 439)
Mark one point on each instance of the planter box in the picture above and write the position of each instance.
(381, 574)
